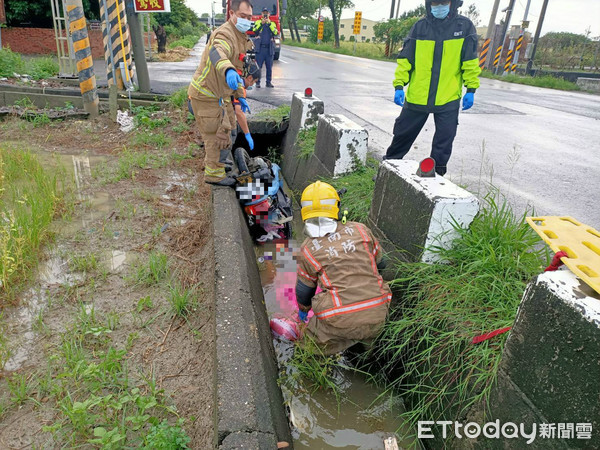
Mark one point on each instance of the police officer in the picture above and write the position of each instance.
(216, 80)
(265, 44)
(343, 258)
(438, 58)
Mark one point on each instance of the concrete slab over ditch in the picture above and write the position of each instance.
(550, 368)
(415, 213)
(250, 406)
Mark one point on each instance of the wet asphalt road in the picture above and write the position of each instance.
(540, 147)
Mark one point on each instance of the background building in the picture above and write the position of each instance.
(366, 30)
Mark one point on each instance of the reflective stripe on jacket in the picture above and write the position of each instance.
(344, 265)
(438, 58)
(222, 53)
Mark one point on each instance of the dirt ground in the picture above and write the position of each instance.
(137, 197)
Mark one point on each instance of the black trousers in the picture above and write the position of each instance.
(264, 56)
(408, 126)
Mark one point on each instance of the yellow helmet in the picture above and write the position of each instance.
(320, 200)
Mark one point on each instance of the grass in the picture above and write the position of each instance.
(179, 98)
(130, 162)
(425, 349)
(546, 81)
(359, 187)
(88, 380)
(154, 271)
(187, 41)
(183, 301)
(31, 197)
(38, 68)
(305, 141)
(363, 49)
(277, 115)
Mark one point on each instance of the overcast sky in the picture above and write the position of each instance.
(563, 15)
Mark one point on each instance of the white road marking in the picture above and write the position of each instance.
(281, 60)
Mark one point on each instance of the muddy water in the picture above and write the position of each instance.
(360, 420)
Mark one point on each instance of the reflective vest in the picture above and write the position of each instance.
(438, 58)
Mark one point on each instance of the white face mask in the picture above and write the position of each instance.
(319, 226)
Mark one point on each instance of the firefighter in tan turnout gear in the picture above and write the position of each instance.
(216, 80)
(343, 258)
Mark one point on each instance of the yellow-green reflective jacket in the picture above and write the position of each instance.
(438, 58)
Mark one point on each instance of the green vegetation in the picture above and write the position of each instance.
(154, 271)
(359, 185)
(426, 342)
(306, 142)
(363, 50)
(88, 380)
(131, 162)
(183, 301)
(546, 81)
(277, 115)
(37, 68)
(179, 98)
(188, 41)
(31, 196)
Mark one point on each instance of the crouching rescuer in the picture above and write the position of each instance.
(343, 259)
(216, 80)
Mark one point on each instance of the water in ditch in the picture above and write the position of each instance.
(360, 419)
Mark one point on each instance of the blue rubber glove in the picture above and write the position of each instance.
(250, 140)
(303, 316)
(399, 97)
(468, 100)
(233, 79)
(245, 106)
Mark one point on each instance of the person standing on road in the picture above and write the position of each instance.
(216, 80)
(438, 58)
(344, 259)
(265, 44)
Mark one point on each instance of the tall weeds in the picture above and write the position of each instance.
(425, 348)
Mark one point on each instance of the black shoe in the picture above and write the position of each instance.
(227, 181)
(258, 85)
(269, 84)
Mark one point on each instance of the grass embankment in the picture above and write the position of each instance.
(31, 196)
(305, 142)
(546, 81)
(120, 357)
(363, 49)
(37, 67)
(277, 115)
(426, 343)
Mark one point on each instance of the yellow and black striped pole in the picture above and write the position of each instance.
(497, 56)
(117, 49)
(517, 50)
(83, 56)
(509, 58)
(484, 53)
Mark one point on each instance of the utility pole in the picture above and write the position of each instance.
(393, 9)
(509, 11)
(492, 24)
(318, 21)
(537, 36)
(137, 41)
(524, 26)
(398, 9)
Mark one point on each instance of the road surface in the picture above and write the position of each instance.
(540, 147)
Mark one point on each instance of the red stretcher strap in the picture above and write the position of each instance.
(491, 334)
(556, 262)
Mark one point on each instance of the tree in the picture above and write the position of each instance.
(299, 9)
(394, 31)
(336, 7)
(472, 13)
(181, 21)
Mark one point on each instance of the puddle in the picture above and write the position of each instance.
(361, 421)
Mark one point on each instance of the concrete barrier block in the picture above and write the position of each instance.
(304, 113)
(341, 144)
(589, 84)
(415, 213)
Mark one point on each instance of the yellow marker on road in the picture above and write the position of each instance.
(581, 242)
